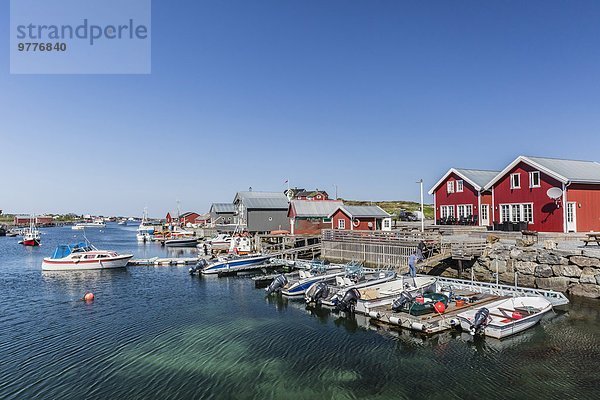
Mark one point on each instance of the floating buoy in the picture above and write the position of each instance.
(439, 307)
(88, 296)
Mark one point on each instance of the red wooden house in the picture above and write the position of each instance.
(520, 195)
(183, 220)
(309, 217)
(459, 197)
(361, 218)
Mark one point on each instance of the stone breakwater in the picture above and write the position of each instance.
(576, 272)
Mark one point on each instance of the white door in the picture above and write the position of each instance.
(571, 217)
(485, 215)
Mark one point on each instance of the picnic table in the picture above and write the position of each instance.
(592, 237)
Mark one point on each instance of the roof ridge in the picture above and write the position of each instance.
(560, 159)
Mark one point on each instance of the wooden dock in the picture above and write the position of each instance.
(163, 261)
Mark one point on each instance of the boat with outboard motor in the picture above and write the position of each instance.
(229, 263)
(385, 293)
(505, 317)
(356, 277)
(84, 256)
(319, 272)
(181, 242)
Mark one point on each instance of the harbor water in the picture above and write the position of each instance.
(158, 333)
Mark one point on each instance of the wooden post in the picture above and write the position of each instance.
(459, 269)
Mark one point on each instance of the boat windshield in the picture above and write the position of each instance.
(64, 250)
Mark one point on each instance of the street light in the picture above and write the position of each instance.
(420, 181)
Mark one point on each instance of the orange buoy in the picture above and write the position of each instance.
(439, 307)
(88, 296)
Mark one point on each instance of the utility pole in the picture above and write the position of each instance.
(336, 191)
(420, 181)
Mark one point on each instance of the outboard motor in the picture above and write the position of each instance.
(278, 283)
(480, 321)
(198, 267)
(348, 302)
(316, 292)
(399, 303)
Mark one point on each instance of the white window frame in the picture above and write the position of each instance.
(512, 181)
(507, 208)
(539, 182)
(387, 223)
(464, 210)
(450, 187)
(484, 210)
(341, 223)
(446, 211)
(459, 186)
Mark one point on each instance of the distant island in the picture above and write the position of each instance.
(394, 206)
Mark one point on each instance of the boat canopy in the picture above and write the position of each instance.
(64, 250)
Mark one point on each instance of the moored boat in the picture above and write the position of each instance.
(182, 242)
(97, 223)
(84, 256)
(505, 317)
(306, 279)
(31, 235)
(232, 263)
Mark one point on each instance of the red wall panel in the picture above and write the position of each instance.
(443, 198)
(587, 209)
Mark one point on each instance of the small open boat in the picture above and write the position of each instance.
(231, 263)
(505, 317)
(422, 304)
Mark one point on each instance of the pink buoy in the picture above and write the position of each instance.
(88, 296)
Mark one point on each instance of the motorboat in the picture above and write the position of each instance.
(84, 256)
(31, 235)
(422, 304)
(361, 278)
(385, 293)
(122, 222)
(505, 317)
(221, 242)
(144, 226)
(230, 263)
(143, 237)
(97, 223)
(181, 242)
(306, 278)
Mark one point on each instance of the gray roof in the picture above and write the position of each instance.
(315, 209)
(266, 202)
(572, 170)
(478, 176)
(222, 208)
(364, 211)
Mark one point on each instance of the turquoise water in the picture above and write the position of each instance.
(157, 333)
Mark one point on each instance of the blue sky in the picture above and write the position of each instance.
(368, 95)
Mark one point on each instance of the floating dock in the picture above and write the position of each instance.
(163, 261)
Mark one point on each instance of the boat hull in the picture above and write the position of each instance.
(500, 325)
(30, 242)
(299, 288)
(83, 265)
(181, 242)
(240, 264)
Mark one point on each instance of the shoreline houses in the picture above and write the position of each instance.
(534, 193)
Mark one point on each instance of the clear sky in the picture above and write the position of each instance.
(369, 95)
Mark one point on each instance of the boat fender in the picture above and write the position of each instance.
(374, 314)
(417, 326)
(395, 321)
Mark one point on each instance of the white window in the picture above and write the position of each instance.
(450, 186)
(528, 212)
(386, 223)
(515, 181)
(459, 186)
(446, 211)
(464, 210)
(341, 224)
(534, 179)
(516, 212)
(504, 212)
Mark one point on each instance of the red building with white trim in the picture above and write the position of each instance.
(459, 197)
(361, 218)
(520, 194)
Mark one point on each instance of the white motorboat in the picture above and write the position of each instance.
(143, 237)
(97, 223)
(231, 263)
(84, 256)
(220, 242)
(181, 242)
(505, 317)
(385, 293)
(144, 226)
(307, 278)
(333, 295)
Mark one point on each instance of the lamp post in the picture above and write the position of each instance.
(336, 190)
(420, 182)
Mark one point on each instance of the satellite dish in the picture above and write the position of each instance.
(554, 193)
